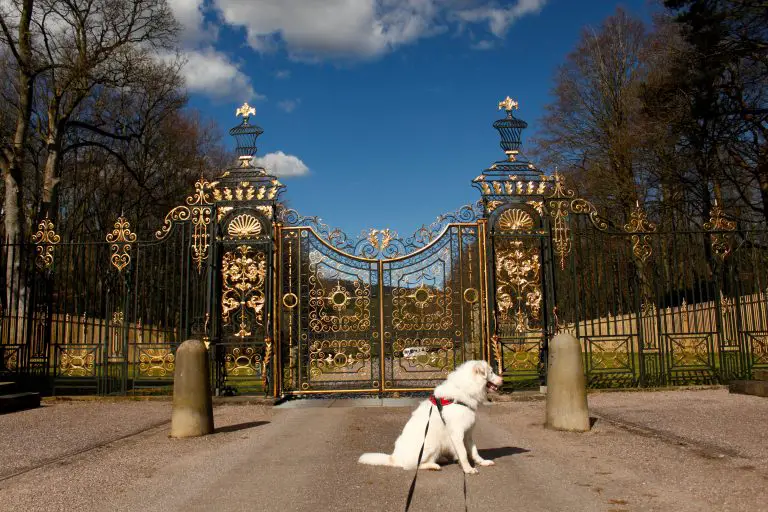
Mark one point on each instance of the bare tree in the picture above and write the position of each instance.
(91, 45)
(589, 128)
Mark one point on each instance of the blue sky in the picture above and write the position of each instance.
(378, 112)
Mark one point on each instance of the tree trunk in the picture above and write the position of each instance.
(51, 177)
(13, 174)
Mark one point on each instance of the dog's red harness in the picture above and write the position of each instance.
(446, 401)
(443, 401)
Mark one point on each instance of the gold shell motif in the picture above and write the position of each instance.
(244, 226)
(515, 220)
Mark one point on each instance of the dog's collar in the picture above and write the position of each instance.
(442, 402)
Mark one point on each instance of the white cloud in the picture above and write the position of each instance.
(483, 45)
(280, 164)
(282, 74)
(312, 30)
(189, 13)
(289, 105)
(212, 73)
(500, 19)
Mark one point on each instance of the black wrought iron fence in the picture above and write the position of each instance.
(654, 307)
(98, 317)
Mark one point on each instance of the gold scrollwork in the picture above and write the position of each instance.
(381, 238)
(522, 356)
(243, 273)
(10, 359)
(536, 205)
(45, 240)
(243, 362)
(198, 211)
(639, 226)
(423, 308)
(156, 362)
(721, 226)
(222, 212)
(338, 356)
(689, 350)
(121, 239)
(329, 307)
(563, 201)
(584, 207)
(518, 284)
(492, 205)
(77, 362)
(561, 231)
(201, 219)
(610, 353)
(759, 343)
(424, 353)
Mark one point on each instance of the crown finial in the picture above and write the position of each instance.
(245, 110)
(508, 104)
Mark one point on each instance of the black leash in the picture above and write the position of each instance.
(439, 406)
(418, 463)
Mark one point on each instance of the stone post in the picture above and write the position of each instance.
(566, 386)
(192, 406)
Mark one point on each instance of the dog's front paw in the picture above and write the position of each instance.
(471, 471)
(487, 463)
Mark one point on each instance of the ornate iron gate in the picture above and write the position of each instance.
(378, 313)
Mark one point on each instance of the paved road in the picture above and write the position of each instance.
(304, 459)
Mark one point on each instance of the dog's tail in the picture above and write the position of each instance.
(376, 459)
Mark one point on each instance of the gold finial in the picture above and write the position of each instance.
(508, 104)
(246, 111)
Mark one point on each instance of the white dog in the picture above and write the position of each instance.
(462, 392)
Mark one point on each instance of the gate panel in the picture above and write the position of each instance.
(432, 316)
(520, 308)
(330, 316)
(242, 332)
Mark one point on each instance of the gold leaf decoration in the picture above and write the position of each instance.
(121, 239)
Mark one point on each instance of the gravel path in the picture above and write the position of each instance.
(677, 451)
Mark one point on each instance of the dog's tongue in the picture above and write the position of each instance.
(491, 386)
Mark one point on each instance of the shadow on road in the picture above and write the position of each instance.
(239, 426)
(495, 453)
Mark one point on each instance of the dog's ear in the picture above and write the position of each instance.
(480, 369)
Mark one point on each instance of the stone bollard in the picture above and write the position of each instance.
(566, 386)
(192, 406)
